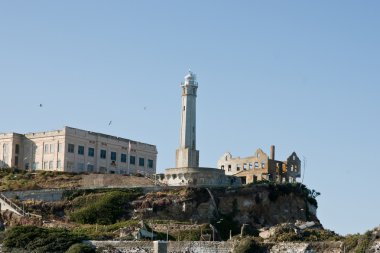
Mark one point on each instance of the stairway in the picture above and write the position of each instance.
(7, 204)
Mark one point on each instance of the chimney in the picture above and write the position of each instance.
(272, 152)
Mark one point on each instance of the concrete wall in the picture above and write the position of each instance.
(44, 195)
(224, 247)
(196, 177)
(173, 246)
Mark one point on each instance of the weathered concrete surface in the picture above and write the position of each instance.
(285, 247)
(219, 247)
(172, 246)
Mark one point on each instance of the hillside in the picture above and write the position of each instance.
(13, 179)
(262, 217)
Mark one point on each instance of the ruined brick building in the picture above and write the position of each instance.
(260, 166)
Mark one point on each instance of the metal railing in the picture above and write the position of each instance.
(16, 208)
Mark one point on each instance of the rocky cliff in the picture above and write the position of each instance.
(257, 205)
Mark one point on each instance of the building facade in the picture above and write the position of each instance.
(76, 150)
(260, 166)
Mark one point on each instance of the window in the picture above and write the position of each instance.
(237, 167)
(222, 167)
(244, 166)
(102, 169)
(132, 159)
(80, 150)
(123, 158)
(294, 157)
(70, 148)
(103, 154)
(141, 162)
(5, 148)
(256, 165)
(91, 152)
(150, 164)
(17, 149)
(263, 165)
(52, 147)
(250, 166)
(80, 167)
(229, 167)
(59, 147)
(46, 164)
(46, 148)
(50, 165)
(70, 165)
(59, 164)
(90, 167)
(113, 156)
(16, 160)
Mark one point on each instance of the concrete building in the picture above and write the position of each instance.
(187, 171)
(76, 150)
(187, 155)
(260, 166)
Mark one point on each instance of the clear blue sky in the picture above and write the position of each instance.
(303, 75)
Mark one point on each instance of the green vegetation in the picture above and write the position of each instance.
(250, 245)
(103, 232)
(80, 248)
(358, 243)
(73, 194)
(103, 209)
(16, 179)
(287, 234)
(276, 190)
(39, 240)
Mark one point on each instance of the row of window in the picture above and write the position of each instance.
(50, 148)
(245, 166)
(46, 165)
(80, 167)
(103, 155)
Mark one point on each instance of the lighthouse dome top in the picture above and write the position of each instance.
(190, 79)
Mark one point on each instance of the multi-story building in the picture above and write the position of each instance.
(76, 150)
(260, 166)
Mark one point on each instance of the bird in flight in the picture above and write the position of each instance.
(40, 105)
(110, 122)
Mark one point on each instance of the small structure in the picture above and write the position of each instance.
(260, 166)
(187, 171)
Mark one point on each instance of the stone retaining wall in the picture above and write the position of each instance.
(173, 246)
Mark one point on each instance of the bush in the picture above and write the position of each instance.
(105, 210)
(104, 232)
(80, 248)
(36, 239)
(249, 245)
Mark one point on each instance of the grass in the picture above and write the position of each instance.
(103, 232)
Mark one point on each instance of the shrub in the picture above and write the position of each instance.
(105, 210)
(80, 248)
(36, 239)
(249, 245)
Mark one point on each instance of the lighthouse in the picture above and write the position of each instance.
(187, 155)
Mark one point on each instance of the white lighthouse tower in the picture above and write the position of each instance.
(187, 155)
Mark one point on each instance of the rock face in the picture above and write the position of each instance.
(257, 205)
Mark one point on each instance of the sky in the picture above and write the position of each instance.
(302, 75)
